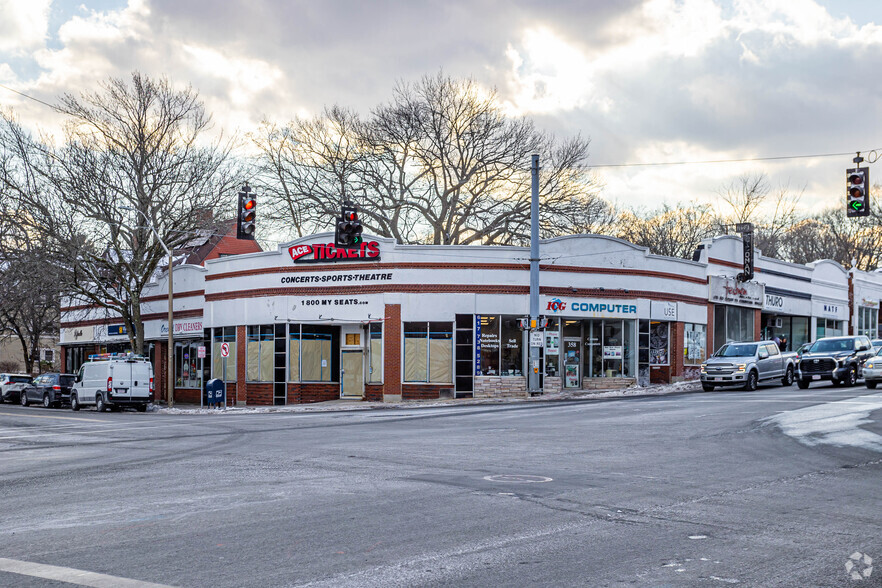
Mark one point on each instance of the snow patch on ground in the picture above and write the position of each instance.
(833, 423)
(338, 405)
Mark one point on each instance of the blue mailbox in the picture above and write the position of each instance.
(215, 391)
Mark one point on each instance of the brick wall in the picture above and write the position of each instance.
(241, 395)
(230, 245)
(259, 393)
(373, 392)
(500, 387)
(659, 374)
(392, 353)
(187, 395)
(426, 391)
(710, 330)
(678, 345)
(608, 383)
(757, 324)
(551, 385)
(306, 393)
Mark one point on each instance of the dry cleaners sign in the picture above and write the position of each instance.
(725, 290)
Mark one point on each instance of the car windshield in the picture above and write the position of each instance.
(833, 345)
(736, 351)
(66, 380)
(20, 379)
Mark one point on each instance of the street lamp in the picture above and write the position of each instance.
(171, 338)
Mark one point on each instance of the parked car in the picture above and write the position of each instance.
(748, 364)
(803, 349)
(111, 381)
(837, 359)
(52, 390)
(877, 345)
(8, 391)
(873, 371)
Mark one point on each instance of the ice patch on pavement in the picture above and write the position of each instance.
(833, 423)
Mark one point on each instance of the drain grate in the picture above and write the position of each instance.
(517, 478)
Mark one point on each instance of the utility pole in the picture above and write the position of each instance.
(534, 366)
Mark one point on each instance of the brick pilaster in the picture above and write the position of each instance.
(392, 351)
(241, 388)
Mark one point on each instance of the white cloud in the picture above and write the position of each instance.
(23, 25)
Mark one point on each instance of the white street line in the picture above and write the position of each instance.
(71, 575)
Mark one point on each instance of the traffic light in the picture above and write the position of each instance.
(857, 191)
(246, 222)
(348, 231)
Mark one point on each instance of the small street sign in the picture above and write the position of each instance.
(200, 352)
(225, 349)
(537, 338)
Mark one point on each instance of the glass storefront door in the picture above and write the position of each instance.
(572, 360)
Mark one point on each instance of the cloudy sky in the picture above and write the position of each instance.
(647, 81)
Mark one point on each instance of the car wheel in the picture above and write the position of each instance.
(23, 398)
(851, 378)
(74, 402)
(99, 403)
(803, 384)
(707, 387)
(788, 377)
(871, 385)
(46, 402)
(142, 408)
(752, 381)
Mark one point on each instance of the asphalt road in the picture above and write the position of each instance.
(686, 490)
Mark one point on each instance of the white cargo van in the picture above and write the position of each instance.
(113, 381)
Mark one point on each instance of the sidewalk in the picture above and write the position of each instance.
(349, 405)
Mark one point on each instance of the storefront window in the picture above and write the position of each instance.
(830, 328)
(318, 345)
(224, 368)
(659, 343)
(187, 364)
(293, 353)
(375, 349)
(695, 344)
(259, 353)
(868, 319)
(428, 352)
(489, 341)
(612, 349)
(732, 323)
(552, 349)
(512, 340)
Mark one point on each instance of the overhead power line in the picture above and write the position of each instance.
(747, 159)
(53, 107)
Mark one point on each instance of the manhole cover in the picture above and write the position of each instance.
(517, 478)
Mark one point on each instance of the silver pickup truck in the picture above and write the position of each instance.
(748, 364)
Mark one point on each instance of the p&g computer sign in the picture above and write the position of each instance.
(591, 308)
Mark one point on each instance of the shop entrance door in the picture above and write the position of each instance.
(352, 374)
(572, 363)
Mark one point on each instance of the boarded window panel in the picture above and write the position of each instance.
(415, 368)
(376, 374)
(326, 358)
(441, 360)
(231, 363)
(217, 362)
(311, 361)
(252, 365)
(294, 360)
(266, 361)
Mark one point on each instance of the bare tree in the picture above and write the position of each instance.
(131, 149)
(441, 163)
(674, 231)
(29, 304)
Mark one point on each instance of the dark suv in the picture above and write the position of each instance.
(50, 389)
(838, 359)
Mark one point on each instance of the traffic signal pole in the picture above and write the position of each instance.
(534, 366)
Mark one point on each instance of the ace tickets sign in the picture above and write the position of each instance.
(327, 253)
